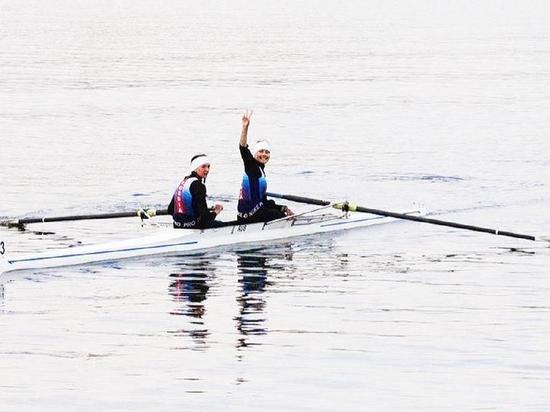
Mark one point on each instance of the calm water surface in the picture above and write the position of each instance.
(384, 104)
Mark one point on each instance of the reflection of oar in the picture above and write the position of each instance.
(354, 208)
(143, 214)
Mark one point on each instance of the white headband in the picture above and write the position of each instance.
(199, 161)
(261, 145)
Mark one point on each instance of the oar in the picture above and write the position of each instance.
(354, 208)
(143, 214)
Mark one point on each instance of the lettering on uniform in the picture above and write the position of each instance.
(185, 225)
(251, 213)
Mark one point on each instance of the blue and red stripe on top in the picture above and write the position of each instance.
(183, 199)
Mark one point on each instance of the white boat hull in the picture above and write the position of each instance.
(181, 241)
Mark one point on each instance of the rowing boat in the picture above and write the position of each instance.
(170, 241)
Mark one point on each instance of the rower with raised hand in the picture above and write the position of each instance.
(188, 205)
(253, 204)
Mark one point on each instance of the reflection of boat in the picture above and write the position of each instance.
(167, 240)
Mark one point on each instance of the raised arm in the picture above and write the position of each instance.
(244, 132)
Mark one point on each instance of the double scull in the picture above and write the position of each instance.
(170, 241)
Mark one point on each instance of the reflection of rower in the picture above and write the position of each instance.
(254, 281)
(191, 288)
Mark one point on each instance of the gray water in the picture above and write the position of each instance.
(382, 103)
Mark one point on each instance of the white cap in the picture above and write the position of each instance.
(199, 161)
(261, 145)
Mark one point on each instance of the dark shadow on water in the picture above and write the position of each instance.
(189, 289)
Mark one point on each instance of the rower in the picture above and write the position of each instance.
(188, 205)
(253, 204)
